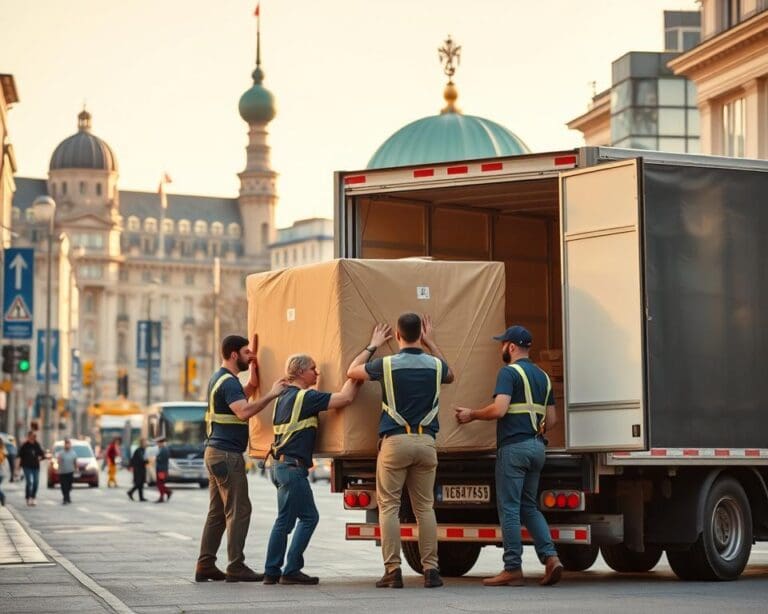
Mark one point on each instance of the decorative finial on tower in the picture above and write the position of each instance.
(450, 56)
(84, 120)
(258, 74)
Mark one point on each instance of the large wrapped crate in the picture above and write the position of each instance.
(328, 311)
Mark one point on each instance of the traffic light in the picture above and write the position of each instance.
(88, 373)
(190, 375)
(122, 383)
(8, 356)
(22, 358)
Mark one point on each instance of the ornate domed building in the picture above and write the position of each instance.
(450, 135)
(127, 256)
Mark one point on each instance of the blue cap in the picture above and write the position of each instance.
(519, 335)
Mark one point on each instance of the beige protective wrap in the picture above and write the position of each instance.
(329, 310)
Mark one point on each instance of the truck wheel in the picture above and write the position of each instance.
(620, 558)
(577, 558)
(454, 558)
(724, 546)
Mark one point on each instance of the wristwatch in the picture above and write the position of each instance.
(372, 349)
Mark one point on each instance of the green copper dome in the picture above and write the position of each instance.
(257, 105)
(447, 137)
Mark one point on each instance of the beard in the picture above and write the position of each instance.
(242, 365)
(505, 356)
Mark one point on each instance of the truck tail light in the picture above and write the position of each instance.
(359, 499)
(350, 499)
(562, 500)
(364, 499)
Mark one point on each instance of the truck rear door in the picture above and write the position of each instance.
(603, 315)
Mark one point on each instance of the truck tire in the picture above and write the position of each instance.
(620, 558)
(722, 550)
(454, 558)
(577, 558)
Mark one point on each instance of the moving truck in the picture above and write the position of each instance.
(643, 277)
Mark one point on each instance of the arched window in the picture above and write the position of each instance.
(167, 227)
(150, 224)
(82, 187)
(133, 223)
(264, 235)
(217, 229)
(184, 227)
(98, 189)
(201, 228)
(233, 229)
(64, 188)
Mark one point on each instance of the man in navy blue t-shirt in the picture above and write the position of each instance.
(295, 425)
(523, 406)
(227, 427)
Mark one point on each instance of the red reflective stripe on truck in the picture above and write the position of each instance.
(354, 179)
(450, 532)
(406, 532)
(563, 160)
(458, 170)
(691, 452)
(750, 452)
(424, 172)
(659, 452)
(580, 535)
(722, 452)
(353, 531)
(491, 166)
(486, 533)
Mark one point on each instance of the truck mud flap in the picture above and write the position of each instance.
(485, 534)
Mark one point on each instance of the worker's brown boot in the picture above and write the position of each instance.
(506, 578)
(553, 571)
(203, 574)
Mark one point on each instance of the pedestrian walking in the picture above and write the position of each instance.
(67, 460)
(3, 472)
(138, 465)
(113, 454)
(523, 408)
(161, 470)
(227, 428)
(295, 421)
(411, 381)
(29, 457)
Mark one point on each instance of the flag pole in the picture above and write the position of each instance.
(258, 34)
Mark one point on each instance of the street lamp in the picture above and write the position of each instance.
(44, 208)
(149, 340)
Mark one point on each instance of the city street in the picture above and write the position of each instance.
(112, 555)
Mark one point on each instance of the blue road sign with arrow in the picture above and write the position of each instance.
(148, 342)
(54, 355)
(18, 294)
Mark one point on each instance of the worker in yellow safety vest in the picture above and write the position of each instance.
(523, 407)
(411, 381)
(227, 429)
(295, 421)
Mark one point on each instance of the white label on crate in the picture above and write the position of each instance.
(290, 314)
(422, 293)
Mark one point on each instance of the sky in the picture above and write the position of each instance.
(162, 79)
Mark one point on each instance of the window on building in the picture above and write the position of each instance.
(122, 346)
(264, 235)
(98, 189)
(150, 224)
(122, 304)
(184, 227)
(733, 128)
(90, 271)
(189, 279)
(214, 249)
(186, 248)
(188, 307)
(146, 276)
(201, 228)
(89, 303)
(148, 245)
(64, 188)
(312, 252)
(89, 338)
(82, 187)
(233, 229)
(294, 256)
(167, 227)
(134, 225)
(217, 229)
(124, 275)
(87, 240)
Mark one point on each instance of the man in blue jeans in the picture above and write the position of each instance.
(29, 457)
(295, 425)
(523, 406)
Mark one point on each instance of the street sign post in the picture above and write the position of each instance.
(18, 295)
(40, 371)
(148, 344)
(76, 374)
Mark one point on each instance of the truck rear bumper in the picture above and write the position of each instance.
(485, 534)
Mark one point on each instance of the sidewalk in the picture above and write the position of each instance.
(31, 579)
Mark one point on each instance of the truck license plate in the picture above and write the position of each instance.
(466, 493)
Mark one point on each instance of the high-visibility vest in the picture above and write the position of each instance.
(212, 415)
(534, 410)
(287, 429)
(389, 406)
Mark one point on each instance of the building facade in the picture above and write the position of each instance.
(8, 97)
(305, 242)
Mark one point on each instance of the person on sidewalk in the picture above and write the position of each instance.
(67, 460)
(3, 472)
(227, 427)
(113, 454)
(162, 460)
(523, 407)
(138, 466)
(407, 456)
(29, 457)
(295, 421)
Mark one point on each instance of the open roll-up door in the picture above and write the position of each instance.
(603, 332)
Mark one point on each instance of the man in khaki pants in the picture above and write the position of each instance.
(407, 455)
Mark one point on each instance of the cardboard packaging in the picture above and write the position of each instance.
(328, 311)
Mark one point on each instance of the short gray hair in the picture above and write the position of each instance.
(296, 364)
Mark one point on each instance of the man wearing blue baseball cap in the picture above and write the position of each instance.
(523, 406)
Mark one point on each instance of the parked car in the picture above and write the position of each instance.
(11, 450)
(87, 468)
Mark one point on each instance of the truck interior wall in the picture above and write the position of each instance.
(706, 280)
(515, 223)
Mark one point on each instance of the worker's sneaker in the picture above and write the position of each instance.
(392, 579)
(299, 578)
(506, 578)
(243, 574)
(432, 578)
(271, 579)
(553, 571)
(203, 574)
